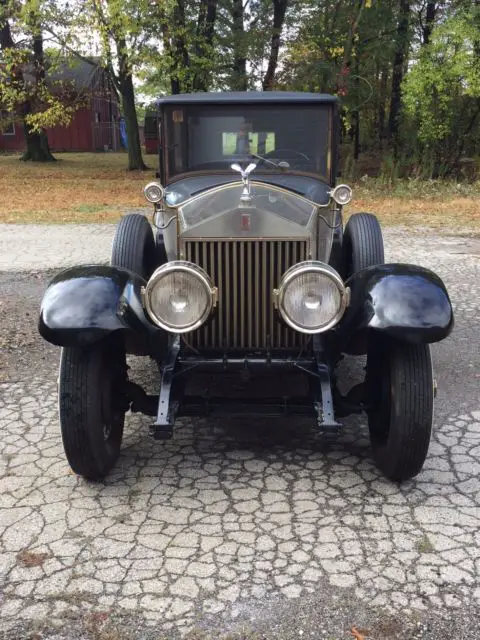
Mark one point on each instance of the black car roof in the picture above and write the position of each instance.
(250, 97)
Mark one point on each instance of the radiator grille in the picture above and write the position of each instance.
(245, 272)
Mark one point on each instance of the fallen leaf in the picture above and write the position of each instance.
(30, 559)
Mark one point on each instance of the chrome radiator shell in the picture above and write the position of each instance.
(246, 271)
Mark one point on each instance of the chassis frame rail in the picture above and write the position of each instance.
(172, 402)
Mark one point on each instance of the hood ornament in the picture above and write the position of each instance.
(245, 173)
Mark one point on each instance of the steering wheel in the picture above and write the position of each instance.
(294, 151)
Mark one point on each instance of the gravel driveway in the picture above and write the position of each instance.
(253, 530)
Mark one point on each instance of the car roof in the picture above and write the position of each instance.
(244, 97)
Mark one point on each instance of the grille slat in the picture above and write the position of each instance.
(245, 273)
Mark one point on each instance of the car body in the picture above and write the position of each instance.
(249, 269)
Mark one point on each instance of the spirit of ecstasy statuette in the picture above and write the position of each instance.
(245, 173)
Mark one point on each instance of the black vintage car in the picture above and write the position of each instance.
(247, 268)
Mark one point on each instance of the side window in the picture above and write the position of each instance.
(7, 124)
(262, 142)
(242, 142)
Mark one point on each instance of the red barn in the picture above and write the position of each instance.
(94, 127)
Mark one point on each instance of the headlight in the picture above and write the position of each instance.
(179, 296)
(153, 192)
(311, 297)
(342, 194)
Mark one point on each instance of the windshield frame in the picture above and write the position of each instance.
(166, 143)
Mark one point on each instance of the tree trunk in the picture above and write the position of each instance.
(37, 147)
(125, 87)
(401, 47)
(356, 114)
(205, 31)
(36, 143)
(179, 51)
(430, 14)
(352, 31)
(382, 100)
(239, 75)
(343, 79)
(279, 10)
(127, 92)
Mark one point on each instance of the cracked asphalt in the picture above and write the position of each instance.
(233, 529)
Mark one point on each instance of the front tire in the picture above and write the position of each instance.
(133, 246)
(92, 406)
(400, 412)
(362, 244)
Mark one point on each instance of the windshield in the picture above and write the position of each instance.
(279, 138)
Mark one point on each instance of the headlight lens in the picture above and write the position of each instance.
(179, 296)
(153, 192)
(342, 194)
(311, 297)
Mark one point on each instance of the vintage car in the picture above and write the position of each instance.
(246, 269)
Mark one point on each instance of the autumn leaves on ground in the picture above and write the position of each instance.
(96, 188)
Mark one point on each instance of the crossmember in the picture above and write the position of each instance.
(172, 402)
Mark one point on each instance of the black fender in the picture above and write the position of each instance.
(406, 302)
(85, 304)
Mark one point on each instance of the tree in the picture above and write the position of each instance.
(240, 47)
(188, 31)
(123, 29)
(401, 48)
(279, 10)
(359, 49)
(24, 87)
(442, 92)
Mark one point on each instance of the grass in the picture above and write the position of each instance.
(95, 187)
(79, 187)
(429, 203)
(424, 545)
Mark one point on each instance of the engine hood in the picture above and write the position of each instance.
(185, 188)
(272, 212)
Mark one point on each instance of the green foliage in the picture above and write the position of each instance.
(442, 92)
(346, 47)
(27, 90)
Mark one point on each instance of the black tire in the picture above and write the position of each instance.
(133, 246)
(400, 412)
(92, 406)
(362, 244)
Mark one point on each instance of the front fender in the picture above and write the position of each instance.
(407, 302)
(84, 304)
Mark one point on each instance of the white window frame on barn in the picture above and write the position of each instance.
(10, 130)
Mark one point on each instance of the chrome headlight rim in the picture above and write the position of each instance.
(305, 267)
(334, 194)
(154, 185)
(192, 269)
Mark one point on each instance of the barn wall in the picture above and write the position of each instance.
(93, 128)
(12, 143)
(76, 137)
